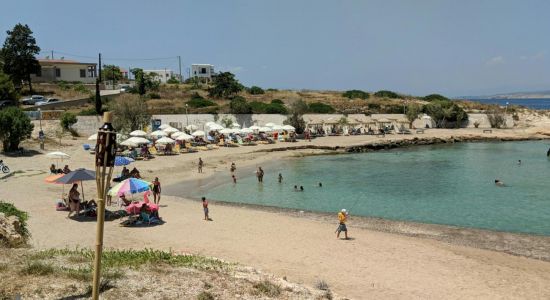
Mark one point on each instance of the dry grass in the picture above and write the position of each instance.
(135, 274)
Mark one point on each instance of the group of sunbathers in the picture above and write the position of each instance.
(54, 170)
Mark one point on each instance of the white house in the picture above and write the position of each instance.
(202, 71)
(65, 70)
(162, 75)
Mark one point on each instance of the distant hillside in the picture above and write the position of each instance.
(517, 95)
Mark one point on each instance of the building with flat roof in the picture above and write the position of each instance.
(162, 75)
(202, 71)
(52, 70)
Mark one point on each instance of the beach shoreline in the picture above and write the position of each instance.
(376, 262)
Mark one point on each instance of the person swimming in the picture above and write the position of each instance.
(498, 182)
(320, 184)
(301, 188)
(295, 187)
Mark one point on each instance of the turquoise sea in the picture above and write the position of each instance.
(442, 184)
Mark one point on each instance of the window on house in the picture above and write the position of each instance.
(57, 72)
(203, 70)
(82, 73)
(91, 71)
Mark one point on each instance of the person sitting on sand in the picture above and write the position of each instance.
(342, 218)
(498, 182)
(135, 173)
(125, 173)
(66, 169)
(74, 200)
(53, 170)
(125, 201)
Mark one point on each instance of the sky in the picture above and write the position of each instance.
(417, 47)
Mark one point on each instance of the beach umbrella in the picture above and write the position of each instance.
(170, 130)
(130, 186)
(207, 124)
(123, 161)
(58, 154)
(138, 133)
(129, 143)
(226, 131)
(265, 129)
(198, 133)
(75, 176)
(288, 127)
(191, 127)
(277, 127)
(235, 125)
(246, 130)
(184, 137)
(164, 126)
(93, 137)
(139, 140)
(215, 126)
(269, 125)
(165, 140)
(254, 127)
(158, 133)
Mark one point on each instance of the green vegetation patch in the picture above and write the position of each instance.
(356, 94)
(10, 210)
(320, 108)
(388, 94)
(267, 288)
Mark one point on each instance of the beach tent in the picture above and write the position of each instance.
(138, 133)
(158, 133)
(164, 141)
(198, 133)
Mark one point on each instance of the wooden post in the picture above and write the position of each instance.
(104, 163)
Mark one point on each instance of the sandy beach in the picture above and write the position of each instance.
(373, 264)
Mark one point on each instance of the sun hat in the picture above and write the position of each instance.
(343, 210)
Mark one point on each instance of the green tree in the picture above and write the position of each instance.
(15, 126)
(320, 108)
(111, 73)
(433, 97)
(295, 117)
(68, 120)
(238, 105)
(18, 55)
(227, 121)
(352, 94)
(7, 90)
(276, 108)
(173, 80)
(412, 113)
(130, 113)
(256, 90)
(388, 94)
(277, 101)
(145, 82)
(224, 85)
(444, 111)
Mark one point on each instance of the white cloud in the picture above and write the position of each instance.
(497, 60)
(541, 55)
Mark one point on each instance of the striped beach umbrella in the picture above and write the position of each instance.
(130, 186)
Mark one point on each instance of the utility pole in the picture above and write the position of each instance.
(179, 62)
(52, 54)
(98, 103)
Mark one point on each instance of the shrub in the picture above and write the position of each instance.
(388, 94)
(272, 90)
(15, 126)
(496, 119)
(275, 108)
(238, 105)
(173, 80)
(258, 107)
(320, 108)
(443, 111)
(433, 97)
(224, 85)
(67, 120)
(130, 112)
(204, 295)
(295, 117)
(10, 210)
(153, 95)
(7, 89)
(267, 288)
(353, 94)
(277, 101)
(198, 103)
(81, 88)
(37, 268)
(256, 90)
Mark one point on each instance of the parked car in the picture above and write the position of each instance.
(6, 103)
(126, 88)
(33, 99)
(48, 101)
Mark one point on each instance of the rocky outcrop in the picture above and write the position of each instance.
(10, 229)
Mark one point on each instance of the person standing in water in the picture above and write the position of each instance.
(320, 184)
(260, 174)
(280, 178)
(233, 167)
(342, 218)
(234, 178)
(201, 163)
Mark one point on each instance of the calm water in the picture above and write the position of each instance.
(529, 103)
(448, 184)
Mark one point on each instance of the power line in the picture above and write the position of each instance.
(112, 58)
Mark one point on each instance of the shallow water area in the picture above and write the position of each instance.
(442, 184)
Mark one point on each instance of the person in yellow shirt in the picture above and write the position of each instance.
(342, 218)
